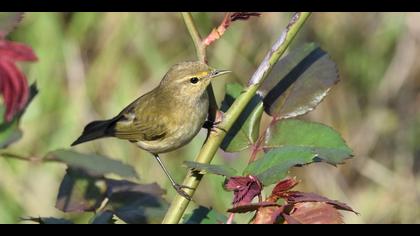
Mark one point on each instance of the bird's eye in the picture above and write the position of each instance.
(194, 80)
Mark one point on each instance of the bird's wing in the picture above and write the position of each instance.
(136, 125)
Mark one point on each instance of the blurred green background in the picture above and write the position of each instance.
(91, 65)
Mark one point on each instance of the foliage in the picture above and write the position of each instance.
(295, 207)
(204, 215)
(13, 83)
(295, 86)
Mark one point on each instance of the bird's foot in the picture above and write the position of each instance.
(179, 188)
(213, 125)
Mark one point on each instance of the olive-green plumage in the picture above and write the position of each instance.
(165, 118)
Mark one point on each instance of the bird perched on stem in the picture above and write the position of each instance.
(164, 119)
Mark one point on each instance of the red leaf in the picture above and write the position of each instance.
(16, 51)
(284, 186)
(288, 219)
(314, 213)
(243, 15)
(245, 189)
(297, 197)
(251, 207)
(13, 85)
(267, 215)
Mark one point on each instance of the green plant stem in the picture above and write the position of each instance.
(209, 149)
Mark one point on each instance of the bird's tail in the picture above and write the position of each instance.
(95, 130)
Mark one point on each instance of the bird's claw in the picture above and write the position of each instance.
(213, 125)
(179, 189)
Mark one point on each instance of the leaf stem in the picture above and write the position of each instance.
(260, 141)
(230, 219)
(209, 149)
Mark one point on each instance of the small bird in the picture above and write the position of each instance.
(164, 119)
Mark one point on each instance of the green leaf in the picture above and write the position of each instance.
(144, 210)
(246, 128)
(10, 132)
(204, 215)
(106, 217)
(298, 82)
(212, 169)
(275, 164)
(322, 140)
(135, 203)
(80, 192)
(8, 21)
(294, 142)
(92, 163)
(233, 90)
(48, 220)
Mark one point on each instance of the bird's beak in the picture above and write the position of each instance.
(217, 73)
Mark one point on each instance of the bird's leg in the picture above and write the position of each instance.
(176, 186)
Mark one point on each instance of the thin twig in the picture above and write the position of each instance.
(195, 35)
(209, 149)
(20, 157)
(230, 17)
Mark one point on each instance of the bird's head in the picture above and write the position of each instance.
(189, 78)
